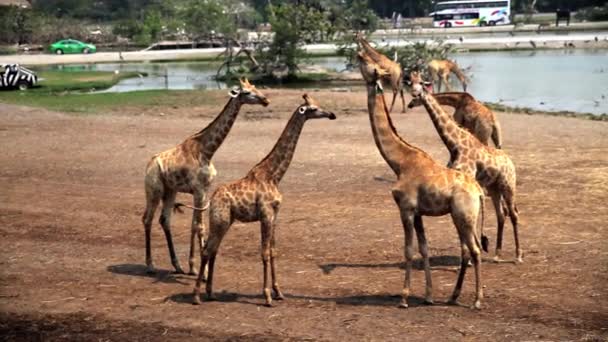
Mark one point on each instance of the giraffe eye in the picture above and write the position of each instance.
(302, 110)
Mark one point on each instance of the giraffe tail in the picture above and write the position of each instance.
(177, 207)
(485, 242)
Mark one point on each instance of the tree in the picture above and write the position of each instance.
(205, 17)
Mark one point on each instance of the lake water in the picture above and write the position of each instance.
(553, 80)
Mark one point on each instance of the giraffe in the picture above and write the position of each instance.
(187, 168)
(424, 188)
(394, 72)
(440, 70)
(492, 168)
(470, 114)
(256, 197)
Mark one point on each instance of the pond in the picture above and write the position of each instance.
(552, 80)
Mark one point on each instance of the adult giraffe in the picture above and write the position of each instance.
(187, 168)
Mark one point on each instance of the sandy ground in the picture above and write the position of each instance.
(72, 244)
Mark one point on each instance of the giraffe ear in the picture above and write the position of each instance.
(234, 92)
(302, 109)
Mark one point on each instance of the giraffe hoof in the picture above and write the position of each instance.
(196, 300)
(211, 297)
(477, 305)
(519, 260)
(497, 259)
(452, 301)
(279, 296)
(403, 305)
(429, 301)
(193, 272)
(179, 271)
(268, 304)
(150, 270)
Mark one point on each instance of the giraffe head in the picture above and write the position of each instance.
(371, 72)
(417, 84)
(247, 93)
(311, 110)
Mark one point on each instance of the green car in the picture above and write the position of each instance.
(71, 46)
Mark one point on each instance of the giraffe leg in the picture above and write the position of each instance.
(152, 202)
(500, 218)
(446, 81)
(514, 216)
(464, 262)
(422, 246)
(165, 222)
(197, 231)
(402, 99)
(473, 245)
(217, 230)
(278, 295)
(266, 229)
(196, 295)
(408, 229)
(394, 98)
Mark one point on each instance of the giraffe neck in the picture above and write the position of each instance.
(375, 55)
(451, 99)
(452, 136)
(453, 67)
(393, 149)
(276, 163)
(212, 136)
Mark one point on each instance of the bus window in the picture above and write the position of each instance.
(469, 16)
(439, 17)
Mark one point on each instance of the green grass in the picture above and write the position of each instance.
(59, 81)
(107, 102)
(526, 110)
(68, 91)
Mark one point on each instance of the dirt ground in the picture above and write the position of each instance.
(72, 243)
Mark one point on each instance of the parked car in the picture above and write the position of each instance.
(16, 76)
(71, 46)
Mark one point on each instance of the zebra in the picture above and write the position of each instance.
(16, 76)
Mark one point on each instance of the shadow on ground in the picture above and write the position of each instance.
(441, 262)
(160, 276)
(258, 299)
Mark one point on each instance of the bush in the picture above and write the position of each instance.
(419, 54)
(593, 13)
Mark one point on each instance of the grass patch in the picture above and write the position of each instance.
(530, 111)
(60, 81)
(110, 102)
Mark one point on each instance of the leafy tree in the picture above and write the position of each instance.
(204, 17)
(286, 47)
(150, 30)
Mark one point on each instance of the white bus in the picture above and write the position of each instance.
(471, 13)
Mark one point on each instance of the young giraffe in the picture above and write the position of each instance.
(492, 168)
(440, 70)
(187, 168)
(470, 114)
(394, 72)
(424, 188)
(256, 197)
